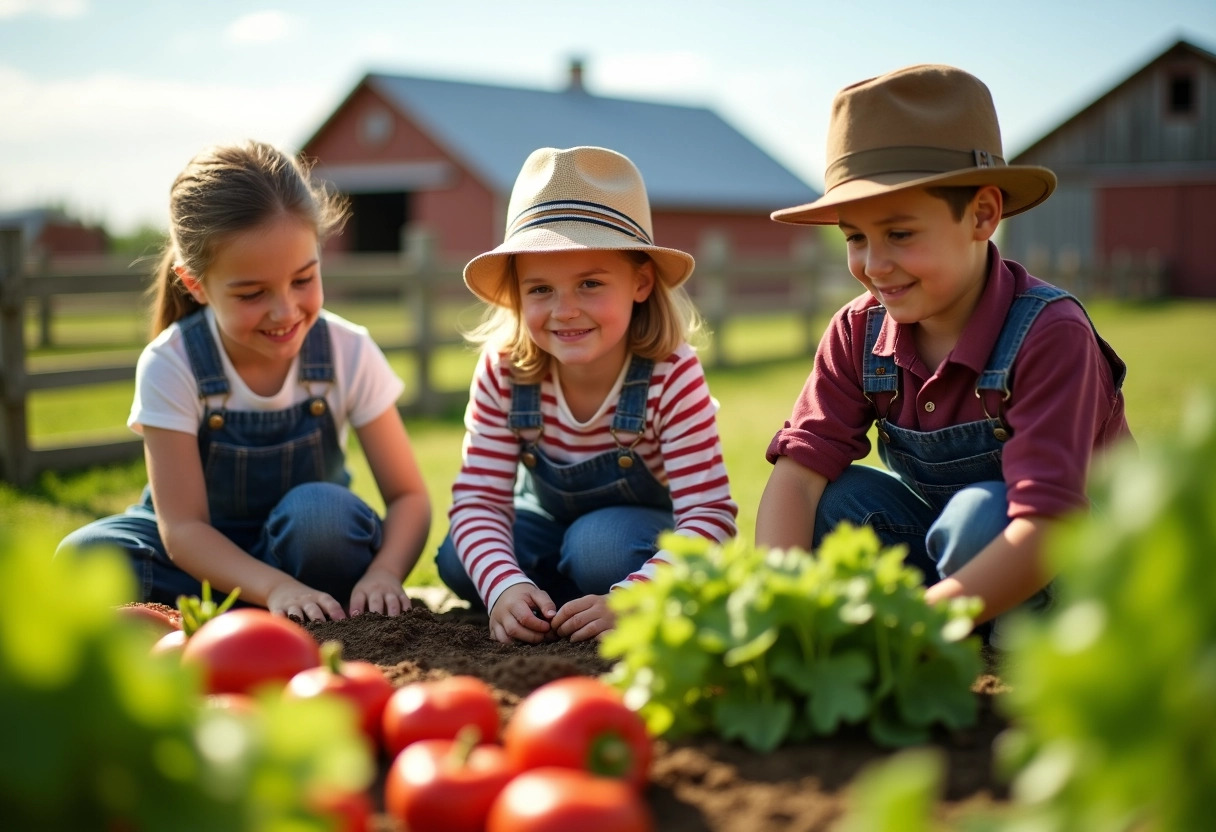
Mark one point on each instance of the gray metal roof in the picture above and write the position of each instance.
(689, 156)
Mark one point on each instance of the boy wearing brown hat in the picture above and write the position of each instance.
(990, 388)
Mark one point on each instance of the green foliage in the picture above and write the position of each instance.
(897, 795)
(1115, 694)
(764, 646)
(103, 736)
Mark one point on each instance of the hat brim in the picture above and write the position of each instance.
(1025, 186)
(486, 274)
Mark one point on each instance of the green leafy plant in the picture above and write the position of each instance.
(104, 736)
(765, 646)
(1113, 692)
(198, 610)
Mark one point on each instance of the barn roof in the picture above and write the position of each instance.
(1178, 48)
(688, 156)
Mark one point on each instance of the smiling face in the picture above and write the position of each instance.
(265, 288)
(577, 305)
(924, 265)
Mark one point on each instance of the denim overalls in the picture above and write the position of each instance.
(579, 527)
(948, 498)
(276, 484)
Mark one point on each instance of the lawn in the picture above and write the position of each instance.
(754, 400)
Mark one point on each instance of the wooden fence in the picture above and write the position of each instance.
(725, 287)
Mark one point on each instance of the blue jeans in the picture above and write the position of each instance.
(320, 533)
(938, 544)
(568, 561)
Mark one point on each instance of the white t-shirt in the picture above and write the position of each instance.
(166, 394)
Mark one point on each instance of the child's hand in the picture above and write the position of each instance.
(515, 615)
(292, 598)
(378, 591)
(584, 618)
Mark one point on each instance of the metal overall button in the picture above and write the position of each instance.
(625, 460)
(317, 407)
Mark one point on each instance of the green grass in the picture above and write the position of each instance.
(755, 400)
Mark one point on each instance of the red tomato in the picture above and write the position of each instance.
(157, 619)
(438, 709)
(350, 811)
(242, 649)
(563, 799)
(360, 683)
(579, 722)
(446, 785)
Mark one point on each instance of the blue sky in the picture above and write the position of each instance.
(103, 101)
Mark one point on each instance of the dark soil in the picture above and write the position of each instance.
(697, 785)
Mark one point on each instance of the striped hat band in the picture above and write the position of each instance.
(574, 210)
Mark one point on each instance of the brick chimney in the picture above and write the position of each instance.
(576, 76)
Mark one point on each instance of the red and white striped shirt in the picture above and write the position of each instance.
(680, 446)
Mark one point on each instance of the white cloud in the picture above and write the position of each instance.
(669, 76)
(263, 27)
(47, 8)
(110, 144)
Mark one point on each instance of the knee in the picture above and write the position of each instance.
(970, 521)
(603, 547)
(323, 511)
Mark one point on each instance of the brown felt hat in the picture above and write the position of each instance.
(578, 198)
(921, 126)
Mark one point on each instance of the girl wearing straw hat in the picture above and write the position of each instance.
(590, 428)
(990, 389)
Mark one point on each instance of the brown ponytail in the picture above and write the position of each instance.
(170, 300)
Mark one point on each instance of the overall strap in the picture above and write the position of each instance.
(630, 414)
(1022, 314)
(993, 388)
(525, 408)
(204, 355)
(879, 373)
(316, 354)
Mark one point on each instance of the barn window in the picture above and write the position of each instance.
(376, 127)
(1180, 100)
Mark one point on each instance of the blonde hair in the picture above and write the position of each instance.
(226, 190)
(658, 326)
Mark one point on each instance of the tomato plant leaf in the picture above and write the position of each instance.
(759, 725)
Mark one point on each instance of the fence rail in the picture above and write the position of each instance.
(725, 287)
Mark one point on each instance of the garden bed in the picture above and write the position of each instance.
(698, 784)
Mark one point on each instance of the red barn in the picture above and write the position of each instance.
(1137, 175)
(48, 232)
(444, 155)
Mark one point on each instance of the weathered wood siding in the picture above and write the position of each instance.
(1128, 140)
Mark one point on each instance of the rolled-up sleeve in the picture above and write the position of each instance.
(831, 419)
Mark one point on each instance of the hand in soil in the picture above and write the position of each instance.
(584, 618)
(522, 613)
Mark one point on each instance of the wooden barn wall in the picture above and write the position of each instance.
(1063, 223)
(1125, 139)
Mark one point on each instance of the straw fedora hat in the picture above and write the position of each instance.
(921, 126)
(578, 198)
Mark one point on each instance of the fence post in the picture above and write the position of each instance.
(46, 304)
(1068, 272)
(805, 253)
(419, 261)
(14, 452)
(712, 257)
